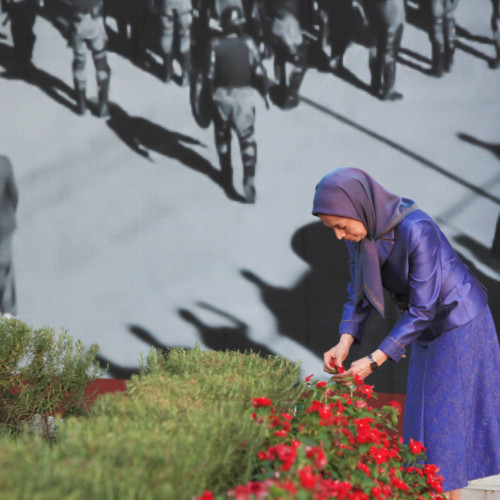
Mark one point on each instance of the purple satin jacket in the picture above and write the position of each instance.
(434, 290)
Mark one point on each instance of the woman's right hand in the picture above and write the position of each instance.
(337, 354)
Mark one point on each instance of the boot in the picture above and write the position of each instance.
(103, 103)
(450, 45)
(249, 188)
(292, 98)
(168, 69)
(81, 99)
(388, 92)
(376, 76)
(249, 163)
(186, 69)
(449, 59)
(226, 169)
(437, 60)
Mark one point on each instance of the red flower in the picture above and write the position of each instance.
(307, 477)
(347, 398)
(262, 455)
(380, 455)
(364, 468)
(337, 489)
(366, 433)
(360, 404)
(288, 486)
(431, 469)
(367, 390)
(206, 495)
(348, 434)
(409, 470)
(285, 454)
(256, 402)
(416, 447)
(281, 433)
(399, 484)
(309, 377)
(376, 491)
(358, 495)
(319, 456)
(395, 404)
(321, 384)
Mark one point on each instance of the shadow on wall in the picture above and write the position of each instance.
(145, 137)
(309, 312)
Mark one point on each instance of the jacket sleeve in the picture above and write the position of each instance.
(424, 278)
(354, 316)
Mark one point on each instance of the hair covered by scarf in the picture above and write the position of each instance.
(351, 192)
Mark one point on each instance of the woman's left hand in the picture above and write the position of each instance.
(359, 367)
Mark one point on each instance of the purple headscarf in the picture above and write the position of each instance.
(350, 192)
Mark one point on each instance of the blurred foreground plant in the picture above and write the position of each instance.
(41, 375)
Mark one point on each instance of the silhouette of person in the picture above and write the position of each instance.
(8, 204)
(232, 338)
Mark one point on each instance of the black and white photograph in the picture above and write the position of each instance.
(160, 159)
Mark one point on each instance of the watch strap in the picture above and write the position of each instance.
(373, 363)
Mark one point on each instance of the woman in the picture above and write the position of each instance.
(453, 398)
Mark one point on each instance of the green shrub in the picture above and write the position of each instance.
(41, 374)
(182, 426)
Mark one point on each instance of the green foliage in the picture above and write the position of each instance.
(182, 426)
(41, 374)
(335, 445)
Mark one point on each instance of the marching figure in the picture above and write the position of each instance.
(88, 31)
(131, 18)
(442, 35)
(234, 67)
(8, 203)
(176, 14)
(289, 46)
(22, 15)
(386, 22)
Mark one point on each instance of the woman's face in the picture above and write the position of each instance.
(344, 227)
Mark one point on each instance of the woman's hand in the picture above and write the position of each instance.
(337, 354)
(360, 367)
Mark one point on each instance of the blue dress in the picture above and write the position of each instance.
(453, 393)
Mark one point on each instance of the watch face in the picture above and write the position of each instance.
(373, 363)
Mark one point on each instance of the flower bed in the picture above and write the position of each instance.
(334, 444)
